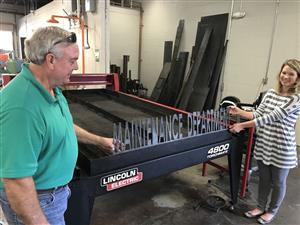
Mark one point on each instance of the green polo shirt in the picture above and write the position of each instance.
(37, 136)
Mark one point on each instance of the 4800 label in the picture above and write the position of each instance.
(218, 150)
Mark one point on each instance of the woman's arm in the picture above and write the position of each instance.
(237, 127)
(234, 110)
(280, 113)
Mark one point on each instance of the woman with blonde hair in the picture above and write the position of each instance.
(275, 148)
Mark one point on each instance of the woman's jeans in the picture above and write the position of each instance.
(272, 184)
(53, 203)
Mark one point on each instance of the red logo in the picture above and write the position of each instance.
(121, 179)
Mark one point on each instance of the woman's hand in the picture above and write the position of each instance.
(234, 110)
(236, 128)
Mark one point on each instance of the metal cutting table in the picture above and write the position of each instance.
(97, 173)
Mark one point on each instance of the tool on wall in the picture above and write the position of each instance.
(70, 22)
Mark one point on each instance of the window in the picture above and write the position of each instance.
(6, 40)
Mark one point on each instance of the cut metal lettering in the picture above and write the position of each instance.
(151, 131)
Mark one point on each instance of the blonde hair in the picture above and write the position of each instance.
(42, 41)
(294, 64)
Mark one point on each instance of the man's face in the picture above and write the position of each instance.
(64, 65)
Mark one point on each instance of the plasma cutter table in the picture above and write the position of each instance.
(97, 174)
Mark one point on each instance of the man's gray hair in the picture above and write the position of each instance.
(42, 41)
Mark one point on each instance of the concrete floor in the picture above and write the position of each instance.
(180, 199)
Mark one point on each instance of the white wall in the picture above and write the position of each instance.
(99, 33)
(249, 43)
(124, 37)
(97, 25)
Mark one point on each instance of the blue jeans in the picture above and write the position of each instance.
(272, 184)
(53, 204)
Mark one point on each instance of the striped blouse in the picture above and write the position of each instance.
(275, 119)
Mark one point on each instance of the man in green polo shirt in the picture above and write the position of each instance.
(38, 140)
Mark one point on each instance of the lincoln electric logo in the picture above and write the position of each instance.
(218, 150)
(121, 179)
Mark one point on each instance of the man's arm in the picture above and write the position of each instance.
(88, 138)
(22, 196)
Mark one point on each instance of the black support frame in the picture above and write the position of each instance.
(153, 160)
(85, 188)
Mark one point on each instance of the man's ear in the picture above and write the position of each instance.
(50, 58)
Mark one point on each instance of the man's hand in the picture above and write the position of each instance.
(106, 144)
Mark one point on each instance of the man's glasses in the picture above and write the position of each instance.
(70, 39)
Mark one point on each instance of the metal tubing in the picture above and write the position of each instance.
(140, 43)
(247, 163)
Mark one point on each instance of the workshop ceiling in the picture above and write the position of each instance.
(21, 7)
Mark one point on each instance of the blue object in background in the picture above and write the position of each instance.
(14, 66)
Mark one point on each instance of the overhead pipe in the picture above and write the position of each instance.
(265, 79)
(141, 25)
(221, 87)
(81, 21)
(266, 75)
(232, 15)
